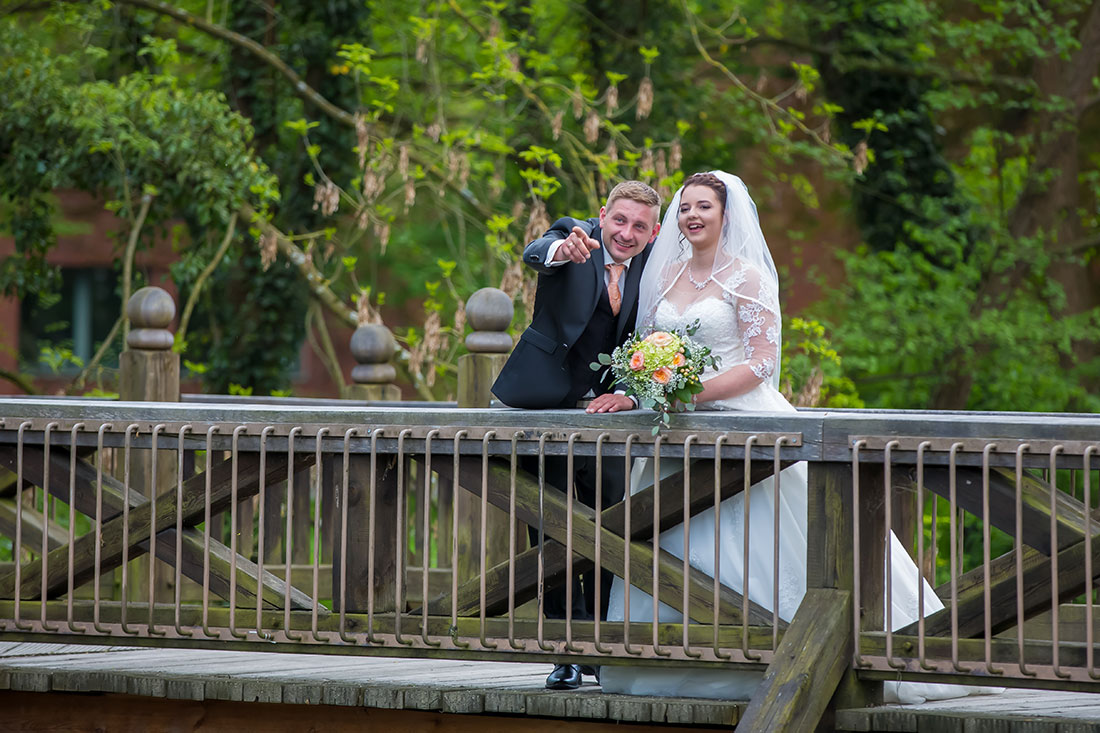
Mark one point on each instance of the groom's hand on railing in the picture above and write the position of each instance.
(610, 402)
(577, 247)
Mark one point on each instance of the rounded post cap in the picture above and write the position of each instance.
(150, 310)
(373, 347)
(489, 312)
(490, 309)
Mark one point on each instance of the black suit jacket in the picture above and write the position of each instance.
(535, 375)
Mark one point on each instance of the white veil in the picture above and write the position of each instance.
(743, 273)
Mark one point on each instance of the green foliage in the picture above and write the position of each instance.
(137, 135)
(960, 297)
(424, 146)
(57, 358)
(812, 373)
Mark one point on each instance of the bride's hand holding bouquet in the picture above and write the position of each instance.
(662, 370)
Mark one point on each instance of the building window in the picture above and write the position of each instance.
(57, 333)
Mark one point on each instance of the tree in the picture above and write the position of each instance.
(421, 150)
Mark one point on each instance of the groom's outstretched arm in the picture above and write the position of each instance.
(567, 240)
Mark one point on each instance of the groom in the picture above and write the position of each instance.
(586, 303)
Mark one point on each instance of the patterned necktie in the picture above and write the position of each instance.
(613, 292)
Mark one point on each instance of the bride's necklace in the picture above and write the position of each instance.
(698, 285)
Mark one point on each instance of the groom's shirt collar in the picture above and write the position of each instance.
(606, 260)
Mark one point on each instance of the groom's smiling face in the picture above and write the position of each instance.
(628, 226)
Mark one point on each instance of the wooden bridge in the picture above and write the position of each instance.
(357, 505)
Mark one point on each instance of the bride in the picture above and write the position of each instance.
(710, 264)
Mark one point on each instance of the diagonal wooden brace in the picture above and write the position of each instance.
(194, 492)
(614, 520)
(670, 569)
(1002, 591)
(1035, 502)
(192, 542)
(33, 524)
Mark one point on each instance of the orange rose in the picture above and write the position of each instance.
(660, 339)
(637, 361)
(678, 359)
(662, 375)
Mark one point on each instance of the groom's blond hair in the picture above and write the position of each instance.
(635, 191)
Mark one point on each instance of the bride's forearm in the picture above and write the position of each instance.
(731, 383)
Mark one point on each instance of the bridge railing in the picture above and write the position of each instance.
(999, 512)
(88, 483)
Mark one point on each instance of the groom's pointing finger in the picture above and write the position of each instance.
(585, 240)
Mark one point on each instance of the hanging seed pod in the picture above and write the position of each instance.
(645, 98)
(612, 99)
(592, 128)
(555, 124)
(538, 223)
(268, 249)
(403, 161)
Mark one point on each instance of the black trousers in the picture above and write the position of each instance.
(613, 489)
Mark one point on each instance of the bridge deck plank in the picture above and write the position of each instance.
(468, 687)
(1042, 711)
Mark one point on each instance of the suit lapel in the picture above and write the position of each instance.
(597, 260)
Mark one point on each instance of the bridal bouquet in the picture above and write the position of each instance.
(662, 369)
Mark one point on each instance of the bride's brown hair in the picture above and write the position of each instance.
(711, 181)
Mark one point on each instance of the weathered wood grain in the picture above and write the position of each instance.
(438, 627)
(1035, 503)
(671, 512)
(671, 579)
(33, 522)
(1002, 591)
(807, 666)
(362, 578)
(192, 542)
(139, 525)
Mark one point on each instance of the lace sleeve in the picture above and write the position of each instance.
(758, 323)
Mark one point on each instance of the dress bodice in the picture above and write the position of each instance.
(718, 328)
(728, 334)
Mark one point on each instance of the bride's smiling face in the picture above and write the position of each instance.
(700, 217)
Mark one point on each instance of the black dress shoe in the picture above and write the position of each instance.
(564, 677)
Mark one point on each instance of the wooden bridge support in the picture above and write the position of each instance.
(614, 545)
(193, 555)
(149, 371)
(809, 663)
(489, 312)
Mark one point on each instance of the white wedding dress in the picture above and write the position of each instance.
(729, 334)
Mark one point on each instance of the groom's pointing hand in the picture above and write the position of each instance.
(577, 247)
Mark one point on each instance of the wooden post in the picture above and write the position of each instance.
(149, 371)
(373, 347)
(830, 556)
(489, 312)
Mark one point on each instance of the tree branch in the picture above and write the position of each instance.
(763, 101)
(212, 265)
(1081, 245)
(322, 346)
(18, 380)
(1087, 104)
(128, 260)
(305, 91)
(320, 291)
